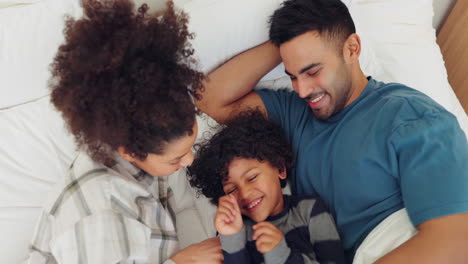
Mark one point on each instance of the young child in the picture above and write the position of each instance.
(242, 168)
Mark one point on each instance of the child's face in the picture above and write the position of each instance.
(256, 187)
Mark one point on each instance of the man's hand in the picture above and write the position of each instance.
(228, 219)
(267, 236)
(206, 252)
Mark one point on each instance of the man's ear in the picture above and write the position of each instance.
(352, 48)
(126, 155)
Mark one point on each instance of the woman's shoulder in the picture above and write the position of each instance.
(89, 189)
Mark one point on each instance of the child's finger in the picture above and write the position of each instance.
(266, 238)
(258, 233)
(226, 210)
(234, 202)
(263, 228)
(228, 203)
(264, 245)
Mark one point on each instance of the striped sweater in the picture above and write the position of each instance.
(310, 236)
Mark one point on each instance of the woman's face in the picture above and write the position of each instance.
(177, 154)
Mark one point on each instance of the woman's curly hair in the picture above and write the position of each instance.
(249, 135)
(126, 78)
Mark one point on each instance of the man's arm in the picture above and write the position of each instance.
(432, 153)
(228, 90)
(440, 240)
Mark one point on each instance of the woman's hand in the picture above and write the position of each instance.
(228, 219)
(206, 252)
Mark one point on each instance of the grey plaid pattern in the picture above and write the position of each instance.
(99, 214)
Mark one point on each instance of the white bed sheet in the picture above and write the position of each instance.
(35, 148)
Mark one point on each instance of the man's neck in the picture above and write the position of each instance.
(359, 83)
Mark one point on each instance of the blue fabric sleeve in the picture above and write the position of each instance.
(285, 108)
(432, 153)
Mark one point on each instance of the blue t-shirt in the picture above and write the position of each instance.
(393, 147)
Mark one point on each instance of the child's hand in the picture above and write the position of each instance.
(267, 236)
(228, 219)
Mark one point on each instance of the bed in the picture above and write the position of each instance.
(399, 45)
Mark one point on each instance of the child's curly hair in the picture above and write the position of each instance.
(249, 135)
(126, 78)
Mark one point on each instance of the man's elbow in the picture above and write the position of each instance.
(218, 113)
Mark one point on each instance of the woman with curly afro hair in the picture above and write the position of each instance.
(242, 168)
(124, 82)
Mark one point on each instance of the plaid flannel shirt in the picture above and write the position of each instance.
(99, 215)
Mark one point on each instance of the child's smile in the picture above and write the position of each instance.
(252, 206)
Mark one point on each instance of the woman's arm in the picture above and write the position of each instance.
(207, 251)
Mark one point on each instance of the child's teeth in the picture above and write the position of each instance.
(253, 204)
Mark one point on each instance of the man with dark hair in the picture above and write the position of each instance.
(368, 148)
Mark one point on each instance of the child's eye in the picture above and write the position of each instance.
(230, 191)
(252, 178)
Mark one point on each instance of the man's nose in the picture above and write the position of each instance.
(302, 88)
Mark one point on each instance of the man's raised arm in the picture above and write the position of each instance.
(229, 88)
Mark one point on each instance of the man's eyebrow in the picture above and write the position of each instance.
(306, 68)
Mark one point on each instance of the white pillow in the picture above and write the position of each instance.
(219, 35)
(6, 3)
(404, 42)
(30, 37)
(35, 150)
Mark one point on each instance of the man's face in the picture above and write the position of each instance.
(318, 73)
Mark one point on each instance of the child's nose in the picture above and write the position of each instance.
(244, 192)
